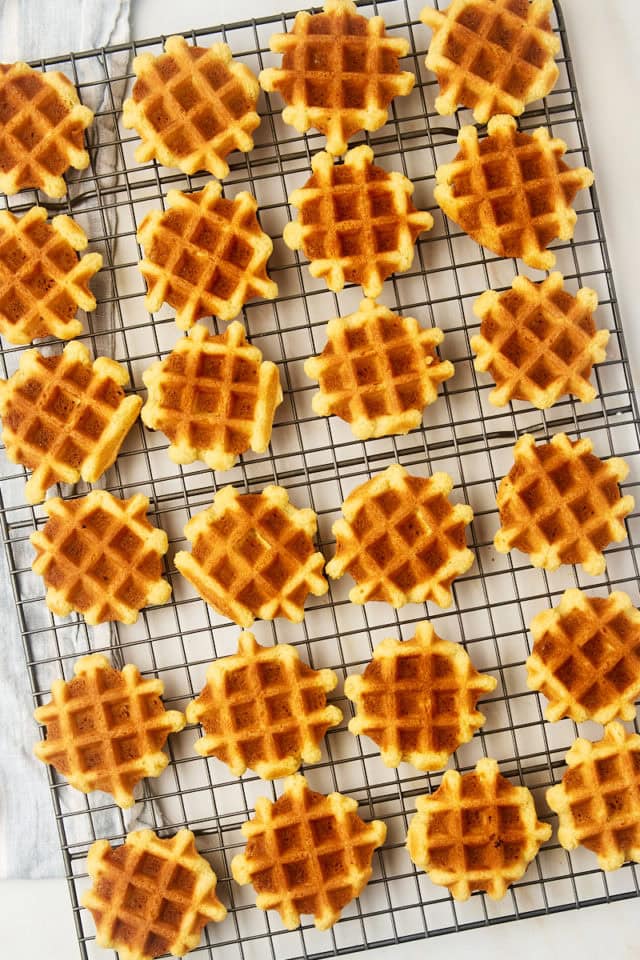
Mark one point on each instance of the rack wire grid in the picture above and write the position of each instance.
(319, 462)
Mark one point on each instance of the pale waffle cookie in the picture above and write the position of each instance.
(493, 56)
(477, 831)
(151, 896)
(192, 106)
(401, 539)
(512, 192)
(205, 255)
(598, 800)
(378, 371)
(42, 124)
(339, 72)
(539, 342)
(253, 556)
(417, 699)
(307, 853)
(586, 657)
(264, 709)
(214, 397)
(561, 504)
(43, 282)
(106, 728)
(100, 556)
(64, 417)
(356, 222)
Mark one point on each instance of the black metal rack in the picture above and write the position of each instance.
(319, 461)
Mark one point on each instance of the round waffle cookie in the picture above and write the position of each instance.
(356, 221)
(378, 371)
(307, 853)
(561, 504)
(99, 555)
(539, 342)
(253, 556)
(42, 124)
(151, 896)
(214, 397)
(598, 800)
(106, 728)
(265, 709)
(477, 831)
(401, 539)
(493, 56)
(339, 72)
(43, 282)
(417, 699)
(512, 192)
(192, 106)
(65, 417)
(586, 657)
(205, 255)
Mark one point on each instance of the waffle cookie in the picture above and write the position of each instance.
(64, 417)
(265, 709)
(253, 556)
(598, 800)
(43, 282)
(512, 192)
(192, 106)
(477, 831)
(151, 896)
(401, 539)
(417, 699)
(214, 397)
(42, 124)
(356, 222)
(106, 728)
(205, 255)
(538, 342)
(586, 657)
(561, 504)
(378, 371)
(307, 853)
(493, 56)
(99, 555)
(339, 73)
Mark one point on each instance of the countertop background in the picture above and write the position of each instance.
(605, 41)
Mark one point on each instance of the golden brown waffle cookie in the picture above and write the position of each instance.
(253, 556)
(205, 255)
(151, 896)
(493, 56)
(307, 853)
(598, 800)
(401, 539)
(586, 657)
(192, 106)
(43, 282)
(512, 192)
(65, 417)
(378, 371)
(42, 124)
(265, 709)
(214, 397)
(339, 72)
(356, 222)
(417, 699)
(561, 504)
(106, 728)
(476, 832)
(538, 342)
(99, 555)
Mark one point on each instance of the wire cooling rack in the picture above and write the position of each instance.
(319, 462)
